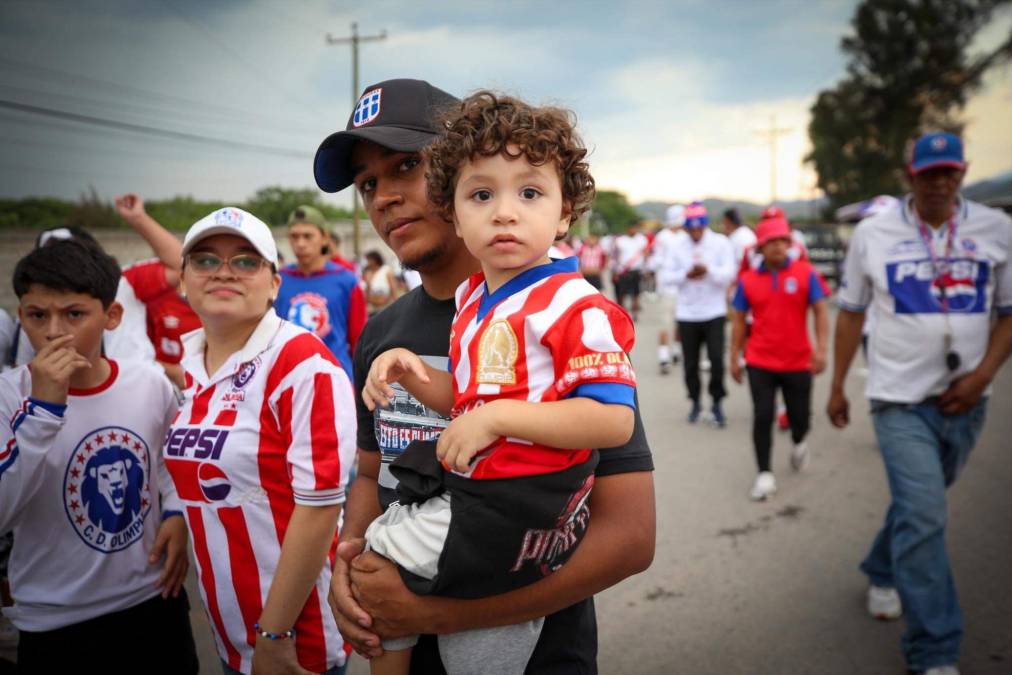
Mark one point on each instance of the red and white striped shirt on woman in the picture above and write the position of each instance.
(274, 427)
(545, 335)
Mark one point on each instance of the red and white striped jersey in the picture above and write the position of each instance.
(274, 427)
(545, 335)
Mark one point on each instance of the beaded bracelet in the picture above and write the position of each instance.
(273, 636)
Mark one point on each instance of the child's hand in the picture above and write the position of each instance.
(171, 542)
(52, 369)
(466, 436)
(130, 207)
(389, 367)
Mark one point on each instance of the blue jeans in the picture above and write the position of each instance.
(336, 670)
(923, 451)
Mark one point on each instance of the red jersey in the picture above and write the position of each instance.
(273, 428)
(345, 263)
(779, 301)
(169, 316)
(545, 335)
(593, 257)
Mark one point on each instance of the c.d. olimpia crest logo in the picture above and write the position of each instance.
(105, 490)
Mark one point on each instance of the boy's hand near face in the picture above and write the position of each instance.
(52, 369)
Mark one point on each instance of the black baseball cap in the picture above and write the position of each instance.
(398, 114)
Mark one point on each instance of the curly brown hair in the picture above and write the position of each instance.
(486, 124)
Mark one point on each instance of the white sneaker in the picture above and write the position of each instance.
(765, 485)
(705, 365)
(884, 603)
(942, 670)
(799, 456)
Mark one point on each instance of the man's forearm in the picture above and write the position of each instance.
(845, 343)
(362, 506)
(999, 346)
(737, 333)
(618, 543)
(821, 327)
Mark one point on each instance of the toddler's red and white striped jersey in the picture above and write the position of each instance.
(545, 335)
(274, 427)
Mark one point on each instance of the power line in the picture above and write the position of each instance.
(151, 131)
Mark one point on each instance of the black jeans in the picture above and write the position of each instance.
(694, 335)
(797, 388)
(152, 637)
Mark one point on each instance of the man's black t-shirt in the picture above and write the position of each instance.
(420, 323)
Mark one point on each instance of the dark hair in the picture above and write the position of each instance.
(732, 215)
(485, 124)
(76, 233)
(376, 257)
(71, 266)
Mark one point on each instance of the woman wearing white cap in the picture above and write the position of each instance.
(260, 453)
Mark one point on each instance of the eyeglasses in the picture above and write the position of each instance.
(244, 265)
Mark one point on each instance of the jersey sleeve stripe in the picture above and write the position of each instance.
(203, 556)
(245, 575)
(323, 430)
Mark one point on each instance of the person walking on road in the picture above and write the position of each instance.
(701, 266)
(778, 352)
(935, 271)
(630, 256)
(667, 352)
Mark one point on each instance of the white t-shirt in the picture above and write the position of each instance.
(630, 252)
(888, 268)
(84, 489)
(741, 239)
(704, 298)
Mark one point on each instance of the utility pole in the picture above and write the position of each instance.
(772, 133)
(353, 41)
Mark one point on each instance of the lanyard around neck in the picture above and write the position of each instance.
(937, 266)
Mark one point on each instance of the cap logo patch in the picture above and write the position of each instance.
(229, 217)
(938, 143)
(368, 108)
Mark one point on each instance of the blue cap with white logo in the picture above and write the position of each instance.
(937, 149)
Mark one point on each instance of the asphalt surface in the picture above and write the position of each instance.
(773, 588)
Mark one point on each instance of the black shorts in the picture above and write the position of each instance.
(628, 283)
(152, 637)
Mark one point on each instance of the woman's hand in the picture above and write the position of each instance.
(276, 657)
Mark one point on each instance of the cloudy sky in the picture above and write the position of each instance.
(671, 96)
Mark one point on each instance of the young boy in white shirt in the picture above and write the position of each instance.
(99, 553)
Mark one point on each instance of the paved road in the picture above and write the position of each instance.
(739, 587)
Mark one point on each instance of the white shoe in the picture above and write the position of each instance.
(765, 485)
(884, 603)
(799, 456)
(942, 670)
(705, 365)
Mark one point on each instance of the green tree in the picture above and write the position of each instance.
(908, 72)
(614, 209)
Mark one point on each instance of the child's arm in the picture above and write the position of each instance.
(34, 423)
(572, 423)
(170, 540)
(433, 387)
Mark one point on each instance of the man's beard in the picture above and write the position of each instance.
(427, 260)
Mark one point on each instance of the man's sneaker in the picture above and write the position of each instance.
(664, 368)
(694, 413)
(799, 456)
(884, 603)
(782, 422)
(705, 365)
(942, 670)
(765, 485)
(719, 419)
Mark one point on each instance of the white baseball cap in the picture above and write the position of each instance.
(234, 221)
(675, 216)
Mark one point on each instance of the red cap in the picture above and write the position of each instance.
(772, 228)
(772, 212)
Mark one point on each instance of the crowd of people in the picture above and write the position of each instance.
(410, 474)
